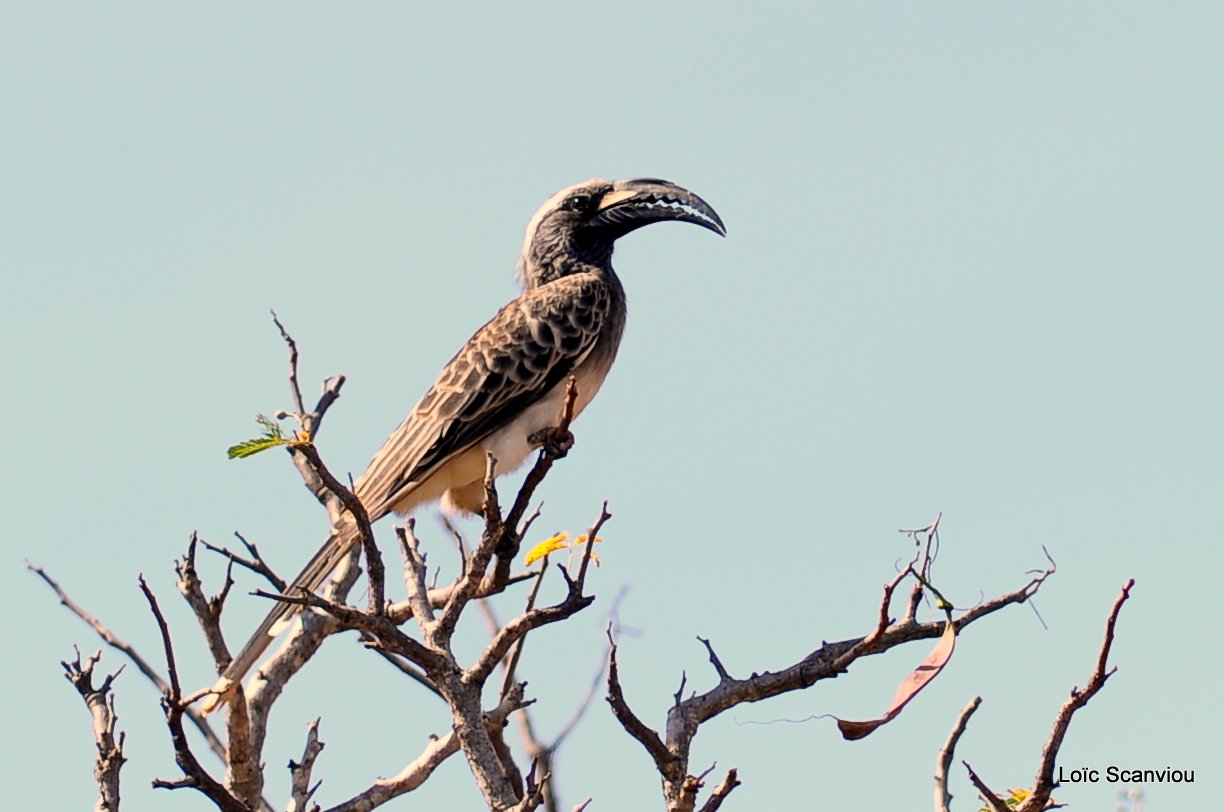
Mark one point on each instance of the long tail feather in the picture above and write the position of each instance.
(311, 578)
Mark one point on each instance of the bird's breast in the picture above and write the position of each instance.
(510, 444)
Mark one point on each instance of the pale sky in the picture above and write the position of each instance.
(973, 267)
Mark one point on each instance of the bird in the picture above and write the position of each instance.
(504, 388)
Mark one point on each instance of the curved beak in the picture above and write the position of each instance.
(635, 202)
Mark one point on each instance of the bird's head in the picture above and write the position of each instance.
(576, 227)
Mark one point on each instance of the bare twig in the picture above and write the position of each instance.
(415, 571)
(298, 647)
(633, 725)
(687, 715)
(984, 792)
(537, 780)
(943, 798)
(554, 443)
(537, 749)
(720, 793)
(301, 789)
(207, 611)
(510, 666)
(1043, 785)
(517, 629)
(362, 519)
(100, 702)
(381, 630)
(194, 774)
(1039, 797)
(294, 389)
(309, 423)
(255, 563)
(409, 670)
(723, 676)
(475, 565)
(592, 536)
(886, 603)
(412, 776)
(596, 681)
(129, 651)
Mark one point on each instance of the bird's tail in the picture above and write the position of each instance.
(326, 560)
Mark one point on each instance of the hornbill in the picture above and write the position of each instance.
(505, 386)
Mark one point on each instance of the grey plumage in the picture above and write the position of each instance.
(506, 383)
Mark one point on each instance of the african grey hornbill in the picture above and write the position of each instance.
(506, 384)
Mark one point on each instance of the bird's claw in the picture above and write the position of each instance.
(556, 442)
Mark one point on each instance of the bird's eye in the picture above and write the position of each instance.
(578, 202)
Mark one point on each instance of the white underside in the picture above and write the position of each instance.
(459, 482)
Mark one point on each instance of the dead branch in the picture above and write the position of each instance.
(274, 673)
(475, 564)
(720, 793)
(487, 756)
(943, 798)
(129, 651)
(988, 795)
(412, 776)
(255, 563)
(533, 618)
(1043, 785)
(357, 510)
(631, 722)
(425, 653)
(194, 774)
(100, 702)
(554, 445)
(1039, 797)
(301, 790)
(538, 750)
(207, 611)
(687, 715)
(309, 423)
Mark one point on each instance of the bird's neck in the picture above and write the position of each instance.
(535, 274)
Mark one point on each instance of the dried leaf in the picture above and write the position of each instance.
(915, 682)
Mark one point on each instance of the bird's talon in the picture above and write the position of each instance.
(555, 442)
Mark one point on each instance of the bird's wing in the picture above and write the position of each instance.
(529, 347)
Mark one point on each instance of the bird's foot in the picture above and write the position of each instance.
(555, 442)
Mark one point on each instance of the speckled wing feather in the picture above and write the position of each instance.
(529, 347)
